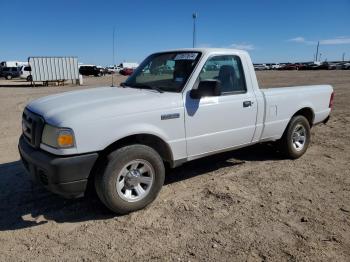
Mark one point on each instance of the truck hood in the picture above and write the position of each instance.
(102, 102)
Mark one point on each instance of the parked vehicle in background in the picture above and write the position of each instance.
(308, 66)
(272, 66)
(119, 138)
(25, 73)
(289, 66)
(268, 66)
(211, 67)
(334, 66)
(301, 66)
(126, 71)
(10, 72)
(103, 70)
(89, 70)
(113, 69)
(275, 66)
(346, 66)
(316, 66)
(128, 65)
(323, 66)
(12, 63)
(164, 69)
(259, 67)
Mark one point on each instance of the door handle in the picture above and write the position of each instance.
(247, 103)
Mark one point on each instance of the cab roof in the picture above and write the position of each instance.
(207, 50)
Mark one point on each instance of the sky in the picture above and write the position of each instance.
(272, 31)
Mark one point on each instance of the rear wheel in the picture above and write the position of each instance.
(29, 78)
(131, 179)
(296, 138)
(8, 77)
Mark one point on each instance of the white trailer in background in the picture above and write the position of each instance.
(54, 69)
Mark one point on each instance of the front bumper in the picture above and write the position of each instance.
(66, 176)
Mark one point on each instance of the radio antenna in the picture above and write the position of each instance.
(194, 16)
(113, 58)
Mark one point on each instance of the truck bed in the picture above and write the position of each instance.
(282, 102)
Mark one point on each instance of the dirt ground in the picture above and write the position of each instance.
(246, 205)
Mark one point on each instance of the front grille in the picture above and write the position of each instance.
(32, 127)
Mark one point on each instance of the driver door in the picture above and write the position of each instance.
(221, 122)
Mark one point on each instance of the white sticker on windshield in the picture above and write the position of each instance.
(186, 56)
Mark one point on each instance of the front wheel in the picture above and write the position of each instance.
(131, 179)
(296, 138)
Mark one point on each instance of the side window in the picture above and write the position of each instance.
(228, 70)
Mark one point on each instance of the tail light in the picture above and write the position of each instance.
(331, 101)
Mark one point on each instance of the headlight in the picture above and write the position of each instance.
(58, 137)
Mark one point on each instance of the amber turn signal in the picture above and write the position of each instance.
(65, 139)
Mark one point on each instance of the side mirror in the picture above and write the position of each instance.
(210, 87)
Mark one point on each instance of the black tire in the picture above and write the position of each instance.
(287, 145)
(8, 77)
(105, 181)
(29, 78)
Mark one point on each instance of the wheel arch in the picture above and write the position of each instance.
(151, 140)
(284, 141)
(307, 112)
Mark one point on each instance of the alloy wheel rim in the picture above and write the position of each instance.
(299, 137)
(135, 180)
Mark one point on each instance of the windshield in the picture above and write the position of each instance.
(167, 72)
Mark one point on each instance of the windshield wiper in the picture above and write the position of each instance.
(145, 87)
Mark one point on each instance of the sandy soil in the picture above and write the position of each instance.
(247, 205)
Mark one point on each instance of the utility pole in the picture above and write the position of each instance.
(343, 56)
(318, 44)
(113, 60)
(194, 16)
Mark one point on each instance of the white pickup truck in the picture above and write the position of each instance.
(177, 106)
